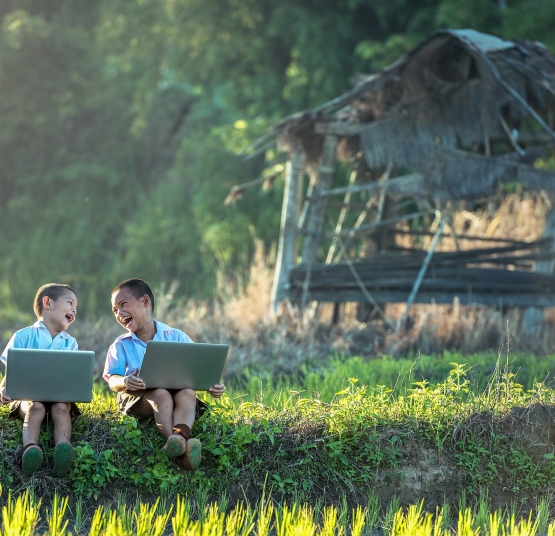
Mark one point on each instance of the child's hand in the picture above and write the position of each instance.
(217, 391)
(132, 381)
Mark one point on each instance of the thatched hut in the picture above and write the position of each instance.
(453, 119)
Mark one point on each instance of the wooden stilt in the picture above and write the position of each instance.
(288, 229)
(532, 319)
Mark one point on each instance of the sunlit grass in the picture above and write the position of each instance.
(20, 517)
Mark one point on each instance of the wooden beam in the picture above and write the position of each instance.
(288, 228)
(466, 298)
(404, 185)
(346, 232)
(459, 236)
(341, 128)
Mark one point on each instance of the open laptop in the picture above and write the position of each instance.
(49, 375)
(183, 365)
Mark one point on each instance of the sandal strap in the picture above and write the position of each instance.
(29, 445)
(183, 430)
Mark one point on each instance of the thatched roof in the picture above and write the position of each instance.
(441, 110)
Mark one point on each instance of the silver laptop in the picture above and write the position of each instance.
(49, 375)
(183, 365)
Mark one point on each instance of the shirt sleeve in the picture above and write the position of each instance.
(74, 345)
(182, 337)
(116, 362)
(19, 340)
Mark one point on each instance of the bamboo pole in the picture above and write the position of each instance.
(361, 218)
(383, 183)
(421, 274)
(342, 213)
(507, 130)
(288, 228)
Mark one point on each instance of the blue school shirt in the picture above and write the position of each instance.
(127, 352)
(38, 337)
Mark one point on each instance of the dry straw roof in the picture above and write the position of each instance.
(468, 110)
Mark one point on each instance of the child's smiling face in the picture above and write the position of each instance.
(132, 313)
(60, 313)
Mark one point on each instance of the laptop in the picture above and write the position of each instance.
(183, 365)
(49, 375)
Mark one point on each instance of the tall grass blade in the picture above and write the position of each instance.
(181, 521)
(56, 524)
(20, 516)
(358, 520)
(240, 522)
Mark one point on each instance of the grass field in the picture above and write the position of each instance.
(183, 517)
(323, 449)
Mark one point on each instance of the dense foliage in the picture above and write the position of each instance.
(122, 120)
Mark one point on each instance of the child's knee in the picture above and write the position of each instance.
(34, 408)
(162, 397)
(186, 396)
(60, 409)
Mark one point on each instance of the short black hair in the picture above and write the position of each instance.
(137, 287)
(53, 291)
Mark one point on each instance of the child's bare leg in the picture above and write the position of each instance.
(185, 405)
(183, 418)
(60, 412)
(63, 453)
(32, 414)
(159, 404)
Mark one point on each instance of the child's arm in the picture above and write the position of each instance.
(3, 398)
(131, 382)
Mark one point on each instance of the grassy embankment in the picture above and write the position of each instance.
(372, 446)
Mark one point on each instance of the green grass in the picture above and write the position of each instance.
(324, 379)
(186, 516)
(301, 448)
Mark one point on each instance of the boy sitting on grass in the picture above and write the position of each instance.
(56, 308)
(174, 410)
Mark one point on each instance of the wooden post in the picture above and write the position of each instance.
(532, 319)
(315, 224)
(288, 228)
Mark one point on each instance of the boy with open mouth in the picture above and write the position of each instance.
(174, 410)
(55, 306)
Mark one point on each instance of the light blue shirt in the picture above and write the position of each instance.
(127, 352)
(38, 337)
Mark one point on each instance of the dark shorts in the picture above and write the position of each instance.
(127, 399)
(14, 406)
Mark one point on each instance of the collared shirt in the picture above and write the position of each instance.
(38, 337)
(127, 352)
